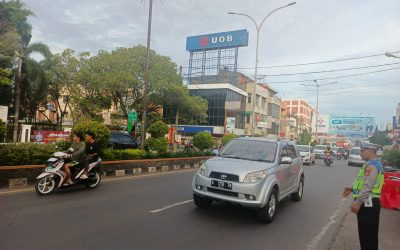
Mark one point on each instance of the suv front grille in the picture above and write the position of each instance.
(225, 177)
(223, 192)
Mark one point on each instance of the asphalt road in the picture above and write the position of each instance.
(156, 212)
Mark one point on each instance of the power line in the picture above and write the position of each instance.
(337, 77)
(318, 62)
(333, 70)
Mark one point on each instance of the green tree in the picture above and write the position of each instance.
(203, 140)
(102, 133)
(158, 129)
(305, 137)
(226, 138)
(379, 137)
(158, 142)
(62, 74)
(89, 97)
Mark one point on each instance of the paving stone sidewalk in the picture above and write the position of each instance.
(389, 232)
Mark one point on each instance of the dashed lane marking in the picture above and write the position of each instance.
(315, 241)
(170, 206)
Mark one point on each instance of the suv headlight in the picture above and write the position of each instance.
(255, 176)
(203, 170)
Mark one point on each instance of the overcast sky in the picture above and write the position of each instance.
(309, 31)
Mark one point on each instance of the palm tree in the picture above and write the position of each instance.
(23, 58)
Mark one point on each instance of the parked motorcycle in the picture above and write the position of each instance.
(54, 175)
(328, 159)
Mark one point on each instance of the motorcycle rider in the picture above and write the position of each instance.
(329, 151)
(76, 156)
(92, 152)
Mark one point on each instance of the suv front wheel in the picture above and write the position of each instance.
(267, 213)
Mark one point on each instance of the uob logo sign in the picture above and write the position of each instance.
(216, 40)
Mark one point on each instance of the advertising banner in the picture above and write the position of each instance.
(3, 113)
(236, 38)
(194, 129)
(230, 124)
(48, 136)
(352, 126)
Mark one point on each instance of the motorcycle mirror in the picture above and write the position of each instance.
(71, 150)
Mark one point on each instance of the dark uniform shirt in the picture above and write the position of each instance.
(93, 150)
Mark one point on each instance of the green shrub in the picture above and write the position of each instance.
(158, 144)
(203, 140)
(226, 138)
(25, 153)
(101, 132)
(63, 145)
(110, 154)
(158, 129)
(3, 130)
(392, 157)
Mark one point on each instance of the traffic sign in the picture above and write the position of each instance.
(132, 116)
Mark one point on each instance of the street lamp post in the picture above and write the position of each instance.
(258, 28)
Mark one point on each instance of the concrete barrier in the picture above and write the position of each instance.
(18, 176)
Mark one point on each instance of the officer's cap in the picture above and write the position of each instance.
(367, 145)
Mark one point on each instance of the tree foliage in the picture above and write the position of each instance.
(226, 138)
(102, 134)
(203, 140)
(305, 137)
(158, 129)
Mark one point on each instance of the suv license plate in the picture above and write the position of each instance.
(221, 184)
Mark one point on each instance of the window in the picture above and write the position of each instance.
(247, 118)
(249, 98)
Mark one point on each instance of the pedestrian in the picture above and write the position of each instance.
(366, 192)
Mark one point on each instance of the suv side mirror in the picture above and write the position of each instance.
(286, 160)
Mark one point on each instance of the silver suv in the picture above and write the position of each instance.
(253, 172)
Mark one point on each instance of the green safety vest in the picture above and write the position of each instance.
(359, 181)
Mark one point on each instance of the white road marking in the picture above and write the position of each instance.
(170, 206)
(315, 241)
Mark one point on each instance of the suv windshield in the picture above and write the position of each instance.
(320, 147)
(355, 151)
(250, 150)
(303, 148)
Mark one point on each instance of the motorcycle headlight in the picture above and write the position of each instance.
(203, 169)
(255, 176)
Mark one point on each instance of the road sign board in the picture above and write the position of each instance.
(132, 116)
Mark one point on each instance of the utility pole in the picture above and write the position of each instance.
(317, 113)
(146, 77)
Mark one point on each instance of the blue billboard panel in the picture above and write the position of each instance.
(195, 129)
(236, 38)
(352, 126)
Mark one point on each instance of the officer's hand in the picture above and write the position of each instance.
(347, 191)
(355, 207)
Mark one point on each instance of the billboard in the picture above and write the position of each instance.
(230, 124)
(3, 113)
(322, 123)
(352, 126)
(236, 38)
(49, 136)
(194, 129)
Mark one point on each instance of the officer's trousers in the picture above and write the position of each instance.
(368, 225)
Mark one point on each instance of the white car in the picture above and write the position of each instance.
(319, 151)
(306, 153)
(355, 157)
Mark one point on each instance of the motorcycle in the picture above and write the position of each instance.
(328, 159)
(345, 155)
(54, 175)
(338, 155)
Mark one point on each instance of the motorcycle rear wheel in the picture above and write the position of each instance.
(94, 180)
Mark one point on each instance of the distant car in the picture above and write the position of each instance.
(319, 151)
(306, 153)
(122, 140)
(355, 157)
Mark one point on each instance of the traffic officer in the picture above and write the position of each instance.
(366, 192)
